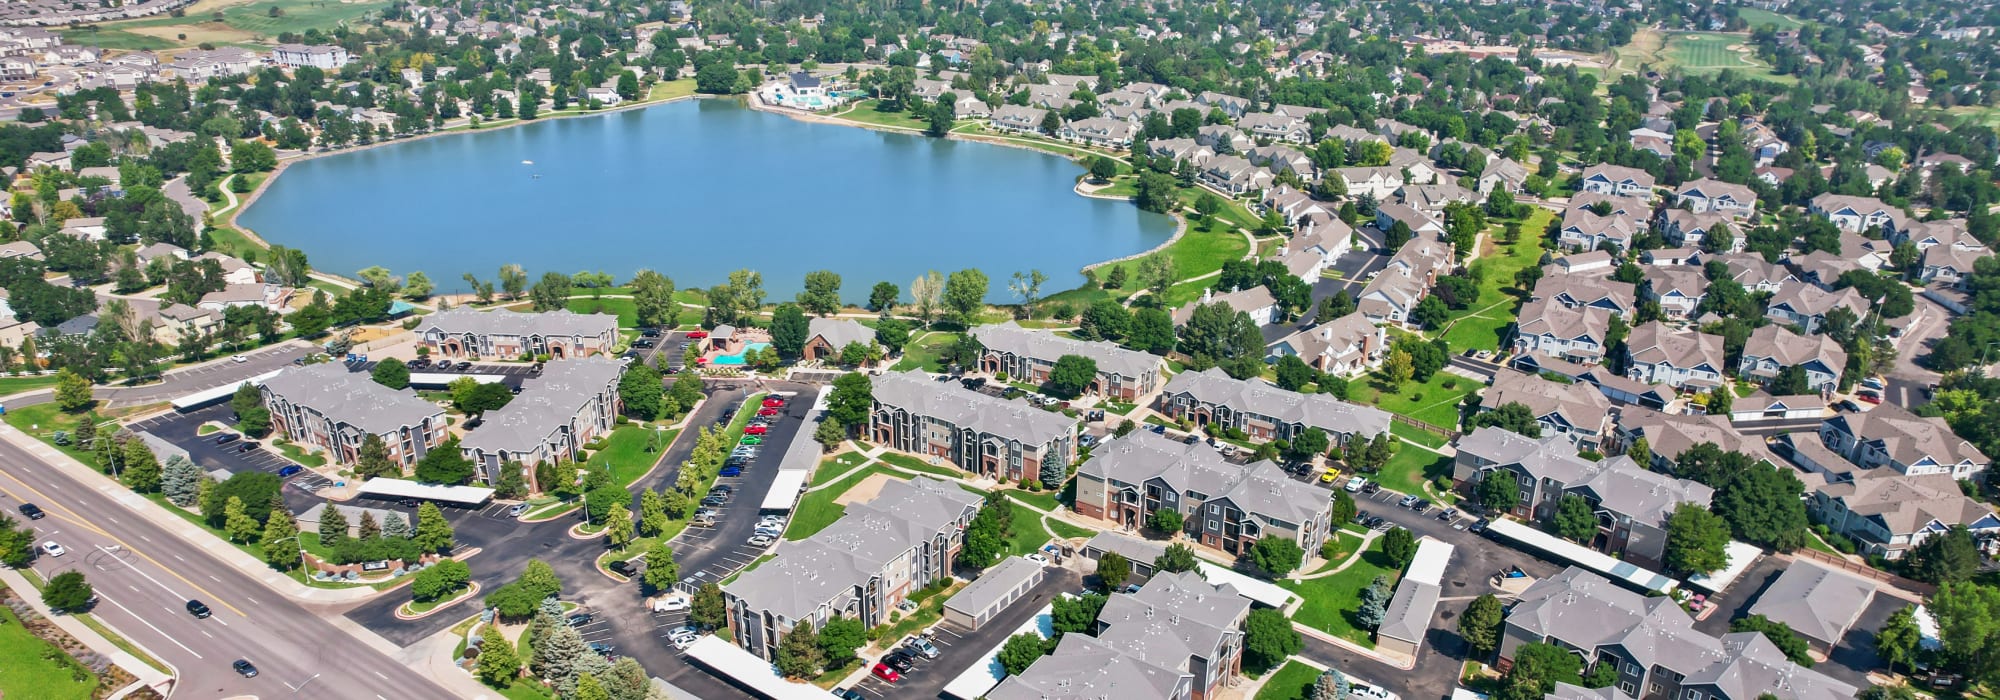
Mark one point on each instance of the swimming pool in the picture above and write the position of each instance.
(737, 358)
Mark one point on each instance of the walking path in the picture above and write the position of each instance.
(1366, 540)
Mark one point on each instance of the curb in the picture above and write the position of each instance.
(471, 589)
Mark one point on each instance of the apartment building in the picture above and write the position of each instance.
(1631, 502)
(465, 332)
(990, 436)
(1028, 355)
(1225, 506)
(570, 403)
(328, 407)
(1263, 411)
(1177, 638)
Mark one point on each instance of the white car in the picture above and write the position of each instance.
(238, 358)
(52, 549)
(761, 541)
(1039, 559)
(670, 603)
(682, 638)
(1355, 484)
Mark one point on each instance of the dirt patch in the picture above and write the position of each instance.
(363, 335)
(864, 491)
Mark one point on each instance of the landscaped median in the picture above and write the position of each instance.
(675, 526)
(414, 610)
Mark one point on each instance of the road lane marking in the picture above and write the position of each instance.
(135, 616)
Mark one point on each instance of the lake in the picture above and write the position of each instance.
(695, 189)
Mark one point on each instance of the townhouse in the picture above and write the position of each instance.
(1017, 119)
(1502, 174)
(1415, 168)
(1705, 195)
(1857, 214)
(827, 337)
(1396, 289)
(1890, 436)
(1103, 132)
(1584, 291)
(1283, 159)
(1653, 644)
(1223, 505)
(569, 404)
(328, 407)
(1632, 503)
(1256, 302)
(1419, 223)
(1265, 412)
(860, 567)
(1755, 273)
(1584, 229)
(1345, 346)
(1806, 306)
(1887, 514)
(1028, 355)
(1677, 289)
(1771, 349)
(468, 333)
(1276, 127)
(1233, 175)
(1616, 180)
(1378, 182)
(1577, 334)
(1669, 435)
(1684, 228)
(1685, 360)
(1431, 199)
(1951, 265)
(1177, 638)
(1181, 150)
(993, 437)
(1575, 411)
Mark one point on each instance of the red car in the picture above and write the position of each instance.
(774, 402)
(1870, 398)
(768, 412)
(887, 674)
(697, 335)
(755, 430)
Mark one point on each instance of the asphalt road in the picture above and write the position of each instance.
(145, 576)
(187, 380)
(960, 648)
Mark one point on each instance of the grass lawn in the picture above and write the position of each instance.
(837, 466)
(299, 454)
(1197, 253)
(1410, 467)
(15, 385)
(626, 310)
(1027, 535)
(907, 462)
(925, 353)
(817, 510)
(1482, 325)
(1417, 435)
(626, 454)
(32, 668)
(238, 24)
(1233, 212)
(1045, 500)
(1291, 682)
(1330, 600)
(671, 89)
(1431, 401)
(1758, 17)
(865, 112)
(1068, 531)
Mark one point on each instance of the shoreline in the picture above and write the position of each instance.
(246, 200)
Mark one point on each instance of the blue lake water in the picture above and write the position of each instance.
(694, 190)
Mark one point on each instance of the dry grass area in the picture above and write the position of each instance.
(865, 491)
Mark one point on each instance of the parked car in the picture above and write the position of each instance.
(1355, 484)
(714, 500)
(1331, 476)
(730, 471)
(697, 335)
(722, 489)
(845, 694)
(1409, 501)
(289, 470)
(756, 430)
(198, 609)
(1868, 396)
(602, 648)
(888, 675)
(580, 619)
(767, 412)
(239, 359)
(517, 510)
(761, 540)
(623, 568)
(227, 438)
(774, 402)
(921, 646)
(1370, 488)
(32, 511)
(751, 440)
(670, 603)
(247, 446)
(1447, 514)
(900, 661)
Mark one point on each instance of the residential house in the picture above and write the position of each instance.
(1103, 132)
(270, 297)
(1255, 301)
(1224, 505)
(328, 57)
(464, 332)
(1016, 119)
(1806, 306)
(1414, 167)
(1396, 289)
(1575, 411)
(1231, 105)
(1669, 435)
(1586, 230)
(1030, 355)
(1577, 334)
(1586, 261)
(1374, 182)
(567, 405)
(1706, 195)
(1276, 127)
(993, 437)
(1681, 227)
(1683, 360)
(1262, 411)
(1574, 291)
(1890, 436)
(1857, 214)
(1223, 138)
(1616, 180)
(1176, 638)
(1234, 175)
(1677, 289)
(1952, 264)
(1181, 150)
(1771, 349)
(1283, 159)
(1888, 514)
(325, 406)
(1345, 346)
(1431, 199)
(1502, 174)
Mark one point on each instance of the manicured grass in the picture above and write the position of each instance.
(837, 466)
(626, 310)
(1233, 212)
(1431, 401)
(865, 112)
(816, 509)
(1068, 531)
(1417, 435)
(670, 89)
(300, 455)
(925, 353)
(1045, 500)
(1760, 17)
(32, 668)
(1197, 253)
(1410, 467)
(1330, 601)
(626, 453)
(1292, 682)
(903, 461)
(15, 385)
(115, 39)
(1027, 535)
(1499, 299)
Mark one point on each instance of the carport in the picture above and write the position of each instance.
(747, 672)
(467, 496)
(998, 588)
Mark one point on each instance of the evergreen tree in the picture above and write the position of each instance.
(1331, 685)
(434, 534)
(142, 470)
(367, 529)
(627, 680)
(499, 664)
(237, 523)
(556, 654)
(708, 610)
(661, 571)
(1178, 558)
(180, 480)
(280, 541)
(395, 526)
(618, 528)
(799, 655)
(587, 688)
(374, 459)
(86, 429)
(332, 525)
(1480, 625)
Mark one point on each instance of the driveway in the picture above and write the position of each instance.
(1906, 381)
(1851, 659)
(224, 371)
(960, 649)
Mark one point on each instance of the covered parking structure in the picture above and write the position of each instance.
(464, 496)
(999, 587)
(746, 672)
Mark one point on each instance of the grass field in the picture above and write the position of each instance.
(32, 668)
(1695, 53)
(1411, 466)
(238, 23)
(864, 112)
(1431, 401)
(625, 452)
(1486, 321)
(15, 385)
(626, 309)
(1759, 17)
(817, 510)
(671, 89)
(1331, 600)
(1293, 681)
(924, 354)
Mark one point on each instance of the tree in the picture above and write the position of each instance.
(142, 470)
(444, 464)
(927, 292)
(180, 481)
(1165, 520)
(1899, 639)
(1076, 613)
(1640, 452)
(799, 655)
(1178, 558)
(1480, 625)
(643, 394)
(251, 416)
(418, 286)
(1071, 376)
(499, 665)
(1538, 667)
(653, 299)
(1431, 312)
(1152, 331)
(1294, 374)
(708, 610)
(278, 530)
(965, 294)
(1498, 490)
(789, 331)
(1112, 570)
(1949, 557)
(1344, 508)
(882, 298)
(1575, 520)
(839, 639)
(1399, 545)
(72, 391)
(1789, 642)
(822, 293)
(395, 526)
(1331, 684)
(17, 544)
(1374, 606)
(551, 292)
(851, 400)
(391, 373)
(1397, 368)
(1512, 416)
(237, 523)
(1021, 651)
(556, 654)
(434, 533)
(67, 592)
(1268, 638)
(1027, 286)
(332, 525)
(1762, 506)
(513, 281)
(1697, 540)
(373, 459)
(1217, 335)
(1276, 555)
(661, 570)
(892, 335)
(1103, 169)
(618, 528)
(439, 580)
(367, 529)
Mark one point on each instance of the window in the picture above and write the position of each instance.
(1212, 525)
(1214, 509)
(1628, 688)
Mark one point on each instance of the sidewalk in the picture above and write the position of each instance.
(152, 677)
(186, 531)
(1398, 661)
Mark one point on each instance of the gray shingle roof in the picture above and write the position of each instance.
(1410, 611)
(1259, 488)
(351, 397)
(1047, 346)
(839, 332)
(1815, 601)
(546, 402)
(1317, 410)
(503, 322)
(831, 565)
(1084, 668)
(917, 393)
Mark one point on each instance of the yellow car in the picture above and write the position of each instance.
(1331, 475)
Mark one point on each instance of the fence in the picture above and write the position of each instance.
(1868, 572)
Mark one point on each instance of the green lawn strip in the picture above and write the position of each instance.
(1233, 212)
(865, 112)
(1330, 600)
(1067, 531)
(307, 540)
(752, 567)
(670, 89)
(15, 385)
(1411, 467)
(115, 39)
(925, 354)
(299, 454)
(836, 466)
(33, 668)
(625, 451)
(1417, 435)
(816, 509)
(906, 462)
(117, 640)
(1291, 682)
(1197, 253)
(626, 310)
(1045, 500)
(1027, 535)
(1813, 542)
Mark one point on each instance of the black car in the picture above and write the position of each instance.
(602, 648)
(900, 660)
(581, 619)
(650, 333)
(227, 438)
(418, 363)
(32, 511)
(198, 610)
(244, 667)
(845, 694)
(723, 488)
(462, 366)
(714, 500)
(622, 568)
(247, 446)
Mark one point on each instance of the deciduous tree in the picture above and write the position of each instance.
(1112, 570)
(1480, 625)
(1697, 540)
(1268, 638)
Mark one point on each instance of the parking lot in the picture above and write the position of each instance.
(183, 430)
(960, 649)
